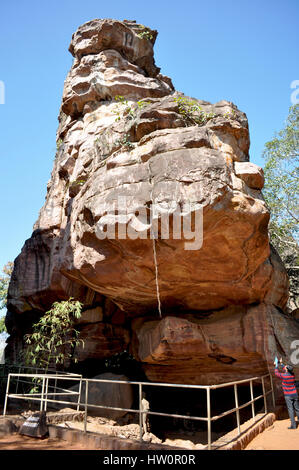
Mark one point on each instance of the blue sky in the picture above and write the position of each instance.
(242, 51)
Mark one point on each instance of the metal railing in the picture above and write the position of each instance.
(7, 369)
(45, 398)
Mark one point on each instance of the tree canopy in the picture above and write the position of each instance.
(281, 193)
(281, 189)
(4, 282)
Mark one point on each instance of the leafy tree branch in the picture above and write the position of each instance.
(54, 338)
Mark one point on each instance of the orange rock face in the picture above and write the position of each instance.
(216, 348)
(182, 167)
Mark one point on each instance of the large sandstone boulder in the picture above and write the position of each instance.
(115, 395)
(137, 159)
(216, 346)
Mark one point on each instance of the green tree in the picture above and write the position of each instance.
(4, 282)
(2, 325)
(54, 338)
(281, 193)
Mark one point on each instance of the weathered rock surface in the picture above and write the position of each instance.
(215, 347)
(101, 340)
(125, 135)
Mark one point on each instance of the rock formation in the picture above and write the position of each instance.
(126, 135)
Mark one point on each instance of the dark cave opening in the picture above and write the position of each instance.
(175, 400)
(179, 401)
(193, 402)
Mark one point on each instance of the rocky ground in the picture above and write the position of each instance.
(276, 437)
(70, 419)
(188, 440)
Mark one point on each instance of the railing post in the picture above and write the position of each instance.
(79, 396)
(47, 385)
(264, 394)
(272, 390)
(209, 417)
(140, 412)
(55, 384)
(6, 395)
(17, 386)
(237, 408)
(252, 397)
(42, 395)
(85, 405)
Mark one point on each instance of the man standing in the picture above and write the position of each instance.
(290, 393)
(145, 407)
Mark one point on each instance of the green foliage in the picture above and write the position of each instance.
(4, 282)
(281, 189)
(281, 192)
(230, 114)
(79, 182)
(145, 33)
(125, 109)
(54, 338)
(2, 325)
(141, 104)
(59, 143)
(192, 112)
(128, 110)
(125, 141)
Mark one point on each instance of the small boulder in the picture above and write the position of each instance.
(7, 427)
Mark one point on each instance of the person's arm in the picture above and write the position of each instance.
(277, 373)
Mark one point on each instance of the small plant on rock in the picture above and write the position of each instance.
(59, 143)
(127, 109)
(125, 141)
(79, 182)
(192, 112)
(145, 33)
(231, 114)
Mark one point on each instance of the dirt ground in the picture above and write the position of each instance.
(187, 440)
(103, 426)
(276, 437)
(18, 442)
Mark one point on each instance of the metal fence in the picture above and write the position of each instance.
(46, 396)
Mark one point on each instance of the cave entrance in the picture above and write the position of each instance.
(193, 402)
